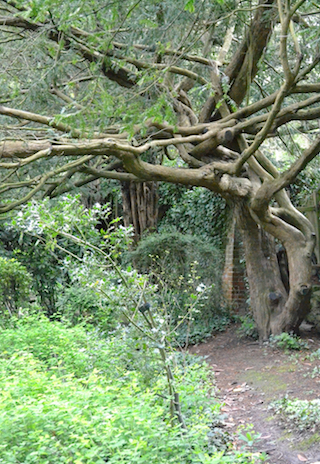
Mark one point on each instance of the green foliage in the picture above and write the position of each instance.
(315, 354)
(77, 397)
(176, 257)
(189, 6)
(187, 272)
(58, 347)
(286, 341)
(315, 372)
(72, 226)
(23, 237)
(301, 414)
(78, 304)
(194, 211)
(96, 103)
(248, 327)
(199, 327)
(90, 286)
(43, 265)
(67, 396)
(248, 435)
(15, 284)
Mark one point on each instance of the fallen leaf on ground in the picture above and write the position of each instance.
(228, 401)
(302, 458)
(230, 424)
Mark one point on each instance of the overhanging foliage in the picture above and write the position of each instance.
(194, 93)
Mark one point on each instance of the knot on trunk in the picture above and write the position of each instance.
(304, 289)
(274, 297)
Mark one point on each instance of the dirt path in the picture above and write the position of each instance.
(249, 377)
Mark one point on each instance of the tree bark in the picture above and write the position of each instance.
(275, 309)
(297, 305)
(140, 206)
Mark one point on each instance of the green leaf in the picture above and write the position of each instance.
(189, 6)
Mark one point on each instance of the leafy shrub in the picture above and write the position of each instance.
(248, 327)
(184, 267)
(247, 435)
(301, 414)
(26, 238)
(67, 396)
(43, 265)
(195, 211)
(14, 286)
(78, 304)
(286, 341)
(175, 256)
(200, 329)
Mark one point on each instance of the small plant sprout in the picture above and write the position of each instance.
(248, 436)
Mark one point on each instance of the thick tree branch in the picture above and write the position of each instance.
(201, 177)
(244, 64)
(120, 75)
(50, 122)
(269, 188)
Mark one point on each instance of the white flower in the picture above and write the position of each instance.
(201, 288)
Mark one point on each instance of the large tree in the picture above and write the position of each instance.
(201, 93)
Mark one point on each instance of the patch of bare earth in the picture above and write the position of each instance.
(249, 377)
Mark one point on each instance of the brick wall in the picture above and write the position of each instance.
(233, 278)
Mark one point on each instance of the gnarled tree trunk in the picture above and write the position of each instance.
(275, 308)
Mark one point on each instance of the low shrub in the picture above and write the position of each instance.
(286, 341)
(15, 284)
(174, 257)
(184, 267)
(71, 396)
(301, 414)
(83, 305)
(247, 327)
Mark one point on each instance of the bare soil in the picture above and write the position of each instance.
(250, 376)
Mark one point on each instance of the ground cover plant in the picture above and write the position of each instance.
(301, 414)
(286, 341)
(72, 396)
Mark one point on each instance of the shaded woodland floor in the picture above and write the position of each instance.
(250, 376)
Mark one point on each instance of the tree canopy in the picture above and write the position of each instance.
(211, 94)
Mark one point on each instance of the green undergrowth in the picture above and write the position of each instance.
(288, 342)
(69, 395)
(309, 441)
(299, 414)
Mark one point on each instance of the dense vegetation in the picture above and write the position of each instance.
(75, 396)
(183, 115)
(221, 95)
(95, 379)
